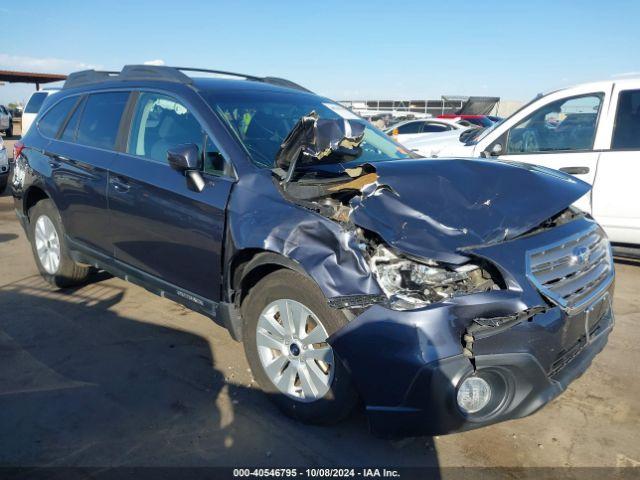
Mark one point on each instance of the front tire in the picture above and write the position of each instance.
(286, 322)
(50, 249)
(3, 183)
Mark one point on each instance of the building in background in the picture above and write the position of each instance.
(432, 108)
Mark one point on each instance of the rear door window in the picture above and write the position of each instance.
(53, 119)
(626, 132)
(101, 119)
(70, 132)
(35, 102)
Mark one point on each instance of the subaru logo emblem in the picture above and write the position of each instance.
(580, 255)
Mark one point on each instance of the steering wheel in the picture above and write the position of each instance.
(530, 141)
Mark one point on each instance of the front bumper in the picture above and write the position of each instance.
(407, 365)
(430, 404)
(411, 396)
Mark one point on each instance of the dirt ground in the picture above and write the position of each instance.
(111, 375)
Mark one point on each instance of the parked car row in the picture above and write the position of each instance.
(482, 121)
(411, 129)
(445, 294)
(6, 121)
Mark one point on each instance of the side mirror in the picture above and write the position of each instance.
(186, 159)
(495, 151)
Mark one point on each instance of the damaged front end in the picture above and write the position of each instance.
(410, 284)
(450, 245)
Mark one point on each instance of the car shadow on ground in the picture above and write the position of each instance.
(7, 237)
(81, 385)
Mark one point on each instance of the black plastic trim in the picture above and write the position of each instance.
(84, 254)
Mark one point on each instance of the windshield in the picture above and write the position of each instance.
(262, 119)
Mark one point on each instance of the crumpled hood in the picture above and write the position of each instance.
(433, 208)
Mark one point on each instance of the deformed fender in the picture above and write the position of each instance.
(261, 218)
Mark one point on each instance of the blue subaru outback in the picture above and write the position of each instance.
(443, 294)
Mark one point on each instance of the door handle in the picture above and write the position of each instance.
(119, 185)
(575, 170)
(54, 164)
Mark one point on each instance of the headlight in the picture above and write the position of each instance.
(411, 284)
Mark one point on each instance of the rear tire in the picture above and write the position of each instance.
(50, 248)
(317, 392)
(3, 183)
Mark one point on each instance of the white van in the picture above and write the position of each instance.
(591, 131)
(33, 107)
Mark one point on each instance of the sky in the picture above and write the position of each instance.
(346, 50)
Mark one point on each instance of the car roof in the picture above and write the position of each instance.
(238, 85)
(135, 76)
(603, 85)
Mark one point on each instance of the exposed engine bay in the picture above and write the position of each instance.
(359, 197)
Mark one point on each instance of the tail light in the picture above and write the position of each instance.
(17, 150)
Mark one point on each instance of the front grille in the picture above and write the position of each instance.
(574, 271)
(565, 356)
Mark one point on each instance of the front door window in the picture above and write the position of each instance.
(565, 125)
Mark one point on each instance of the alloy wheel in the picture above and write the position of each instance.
(293, 350)
(47, 244)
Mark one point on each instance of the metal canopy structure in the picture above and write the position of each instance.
(30, 77)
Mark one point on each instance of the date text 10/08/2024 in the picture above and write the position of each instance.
(316, 472)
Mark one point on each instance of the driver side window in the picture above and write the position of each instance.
(568, 124)
(160, 122)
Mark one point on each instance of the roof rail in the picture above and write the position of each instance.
(165, 73)
(86, 77)
(283, 82)
(218, 72)
(153, 72)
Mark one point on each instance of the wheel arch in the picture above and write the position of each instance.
(246, 268)
(33, 195)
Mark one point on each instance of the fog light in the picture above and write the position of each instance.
(473, 394)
